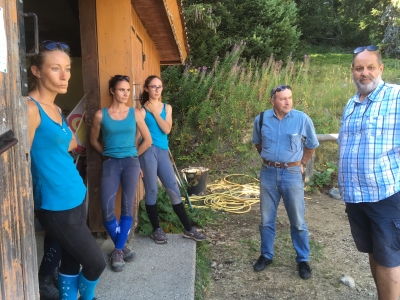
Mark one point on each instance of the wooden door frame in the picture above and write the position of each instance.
(18, 268)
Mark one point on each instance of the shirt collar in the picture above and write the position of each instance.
(271, 114)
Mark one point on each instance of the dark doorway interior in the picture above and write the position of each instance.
(58, 21)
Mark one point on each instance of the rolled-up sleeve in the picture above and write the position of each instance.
(256, 131)
(311, 141)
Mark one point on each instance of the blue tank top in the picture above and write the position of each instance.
(119, 135)
(159, 137)
(57, 184)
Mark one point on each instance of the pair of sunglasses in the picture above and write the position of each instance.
(51, 45)
(362, 48)
(122, 77)
(279, 88)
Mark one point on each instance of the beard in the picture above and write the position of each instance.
(366, 88)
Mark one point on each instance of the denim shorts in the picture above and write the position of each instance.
(375, 227)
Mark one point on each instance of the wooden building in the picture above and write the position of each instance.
(107, 37)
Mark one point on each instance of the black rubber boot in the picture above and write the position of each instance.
(47, 289)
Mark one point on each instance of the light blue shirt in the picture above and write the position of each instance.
(159, 137)
(369, 146)
(283, 140)
(119, 135)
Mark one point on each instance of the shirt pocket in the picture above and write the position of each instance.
(375, 125)
(293, 142)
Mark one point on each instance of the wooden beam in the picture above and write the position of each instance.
(18, 258)
(91, 87)
(327, 137)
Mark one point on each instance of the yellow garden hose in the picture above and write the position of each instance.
(229, 196)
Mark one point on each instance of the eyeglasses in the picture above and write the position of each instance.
(362, 48)
(123, 77)
(279, 88)
(51, 46)
(154, 87)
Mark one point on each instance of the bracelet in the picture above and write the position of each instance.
(303, 164)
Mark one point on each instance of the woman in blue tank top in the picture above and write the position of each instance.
(121, 165)
(58, 189)
(155, 161)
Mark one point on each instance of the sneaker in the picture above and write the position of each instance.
(194, 235)
(159, 236)
(304, 270)
(46, 288)
(262, 263)
(129, 255)
(117, 260)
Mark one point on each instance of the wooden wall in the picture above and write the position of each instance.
(18, 260)
(141, 40)
(113, 42)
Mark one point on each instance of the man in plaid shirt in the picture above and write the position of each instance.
(369, 169)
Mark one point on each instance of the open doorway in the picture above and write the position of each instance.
(58, 20)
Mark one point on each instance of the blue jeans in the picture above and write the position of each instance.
(116, 171)
(156, 162)
(288, 184)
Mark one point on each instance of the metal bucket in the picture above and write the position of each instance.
(196, 177)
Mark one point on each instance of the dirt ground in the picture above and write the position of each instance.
(235, 244)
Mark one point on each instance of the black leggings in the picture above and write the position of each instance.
(78, 246)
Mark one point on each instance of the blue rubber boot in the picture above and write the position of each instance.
(86, 287)
(68, 286)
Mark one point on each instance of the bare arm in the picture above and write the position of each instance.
(33, 119)
(166, 124)
(307, 153)
(143, 131)
(95, 132)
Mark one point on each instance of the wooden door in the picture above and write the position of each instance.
(18, 261)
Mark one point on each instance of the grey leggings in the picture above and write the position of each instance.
(116, 171)
(155, 162)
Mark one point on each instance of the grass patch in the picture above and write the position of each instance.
(252, 246)
(203, 277)
(285, 254)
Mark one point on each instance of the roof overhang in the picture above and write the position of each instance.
(165, 24)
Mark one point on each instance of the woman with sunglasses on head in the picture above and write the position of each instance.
(155, 161)
(119, 125)
(58, 189)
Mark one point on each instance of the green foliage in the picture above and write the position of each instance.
(203, 278)
(347, 23)
(169, 221)
(267, 26)
(324, 177)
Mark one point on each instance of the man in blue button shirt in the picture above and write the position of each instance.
(286, 141)
(369, 169)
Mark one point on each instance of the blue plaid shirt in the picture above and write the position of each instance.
(369, 146)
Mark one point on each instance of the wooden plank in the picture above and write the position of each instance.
(18, 274)
(91, 87)
(327, 137)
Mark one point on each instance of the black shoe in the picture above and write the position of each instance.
(304, 270)
(261, 263)
(46, 288)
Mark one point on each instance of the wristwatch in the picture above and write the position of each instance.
(303, 164)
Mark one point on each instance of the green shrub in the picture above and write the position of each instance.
(169, 221)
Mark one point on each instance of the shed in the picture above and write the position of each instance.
(106, 37)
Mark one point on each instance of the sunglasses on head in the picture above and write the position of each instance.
(51, 46)
(122, 77)
(362, 48)
(279, 88)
